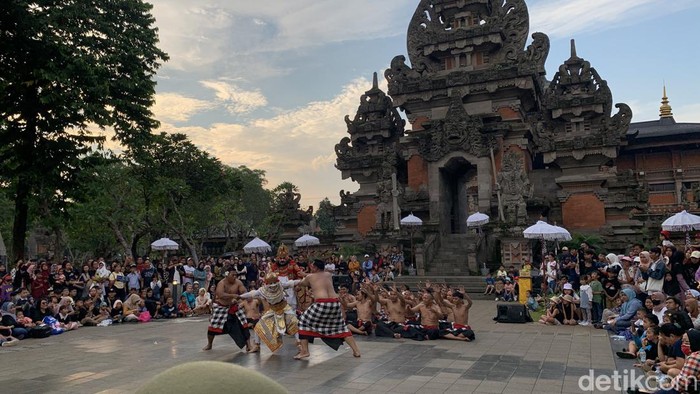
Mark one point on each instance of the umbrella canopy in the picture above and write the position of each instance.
(543, 230)
(307, 240)
(257, 245)
(682, 221)
(411, 220)
(165, 244)
(477, 219)
(565, 234)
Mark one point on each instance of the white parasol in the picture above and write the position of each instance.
(165, 244)
(411, 220)
(547, 232)
(682, 221)
(307, 240)
(477, 219)
(257, 245)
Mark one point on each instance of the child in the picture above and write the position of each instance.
(586, 301)
(183, 308)
(509, 291)
(499, 289)
(490, 282)
(502, 273)
(597, 300)
(531, 303)
(169, 311)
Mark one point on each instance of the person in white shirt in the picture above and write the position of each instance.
(330, 267)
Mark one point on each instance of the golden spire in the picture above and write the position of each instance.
(665, 110)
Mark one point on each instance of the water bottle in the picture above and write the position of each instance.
(642, 355)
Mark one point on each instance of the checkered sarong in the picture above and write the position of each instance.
(219, 315)
(323, 319)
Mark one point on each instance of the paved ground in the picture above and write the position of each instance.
(505, 358)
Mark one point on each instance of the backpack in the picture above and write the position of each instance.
(41, 331)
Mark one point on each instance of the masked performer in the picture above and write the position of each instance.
(279, 318)
(287, 270)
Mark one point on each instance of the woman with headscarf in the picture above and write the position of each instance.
(630, 305)
(102, 276)
(130, 308)
(8, 322)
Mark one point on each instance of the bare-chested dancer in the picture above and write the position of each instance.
(395, 306)
(251, 307)
(366, 305)
(430, 314)
(227, 292)
(460, 305)
(323, 319)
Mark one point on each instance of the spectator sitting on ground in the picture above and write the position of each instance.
(169, 310)
(554, 315)
(131, 308)
(490, 284)
(183, 308)
(202, 303)
(499, 289)
(509, 291)
(531, 303)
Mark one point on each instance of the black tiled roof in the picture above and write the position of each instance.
(663, 127)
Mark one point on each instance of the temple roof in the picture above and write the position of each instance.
(662, 127)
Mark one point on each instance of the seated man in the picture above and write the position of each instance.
(459, 329)
(365, 304)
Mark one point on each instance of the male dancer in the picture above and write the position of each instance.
(226, 317)
(366, 305)
(460, 305)
(323, 319)
(287, 270)
(395, 305)
(279, 318)
(251, 307)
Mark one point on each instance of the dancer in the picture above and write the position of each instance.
(287, 270)
(251, 307)
(279, 318)
(366, 306)
(459, 328)
(323, 319)
(226, 317)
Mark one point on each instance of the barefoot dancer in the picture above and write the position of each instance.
(279, 318)
(323, 319)
(366, 307)
(460, 305)
(226, 317)
(251, 307)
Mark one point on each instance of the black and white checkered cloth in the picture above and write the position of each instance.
(323, 319)
(220, 314)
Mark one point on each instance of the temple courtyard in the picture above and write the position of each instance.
(505, 358)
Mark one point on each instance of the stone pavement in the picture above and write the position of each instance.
(505, 358)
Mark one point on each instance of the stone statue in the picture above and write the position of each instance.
(515, 186)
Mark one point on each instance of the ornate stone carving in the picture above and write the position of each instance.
(457, 132)
(515, 187)
(537, 52)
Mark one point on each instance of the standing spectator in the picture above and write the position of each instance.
(586, 301)
(199, 275)
(653, 269)
(147, 273)
(597, 304)
(611, 285)
(133, 279)
(189, 272)
(367, 266)
(117, 281)
(40, 281)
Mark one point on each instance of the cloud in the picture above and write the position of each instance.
(174, 107)
(236, 100)
(565, 18)
(296, 145)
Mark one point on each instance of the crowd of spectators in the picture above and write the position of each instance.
(41, 297)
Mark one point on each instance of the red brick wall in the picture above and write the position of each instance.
(508, 113)
(366, 219)
(583, 211)
(417, 124)
(417, 172)
(662, 198)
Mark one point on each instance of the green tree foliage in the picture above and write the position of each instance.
(67, 66)
(324, 217)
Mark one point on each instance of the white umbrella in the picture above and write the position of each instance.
(165, 244)
(257, 245)
(411, 220)
(307, 240)
(544, 230)
(682, 221)
(477, 219)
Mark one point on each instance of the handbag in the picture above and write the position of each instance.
(145, 316)
(652, 285)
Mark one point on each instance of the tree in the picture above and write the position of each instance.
(67, 66)
(325, 218)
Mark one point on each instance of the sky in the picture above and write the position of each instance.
(267, 84)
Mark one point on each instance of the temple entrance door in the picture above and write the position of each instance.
(457, 179)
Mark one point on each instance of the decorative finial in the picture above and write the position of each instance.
(665, 109)
(573, 48)
(375, 84)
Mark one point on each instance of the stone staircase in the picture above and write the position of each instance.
(474, 285)
(457, 252)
